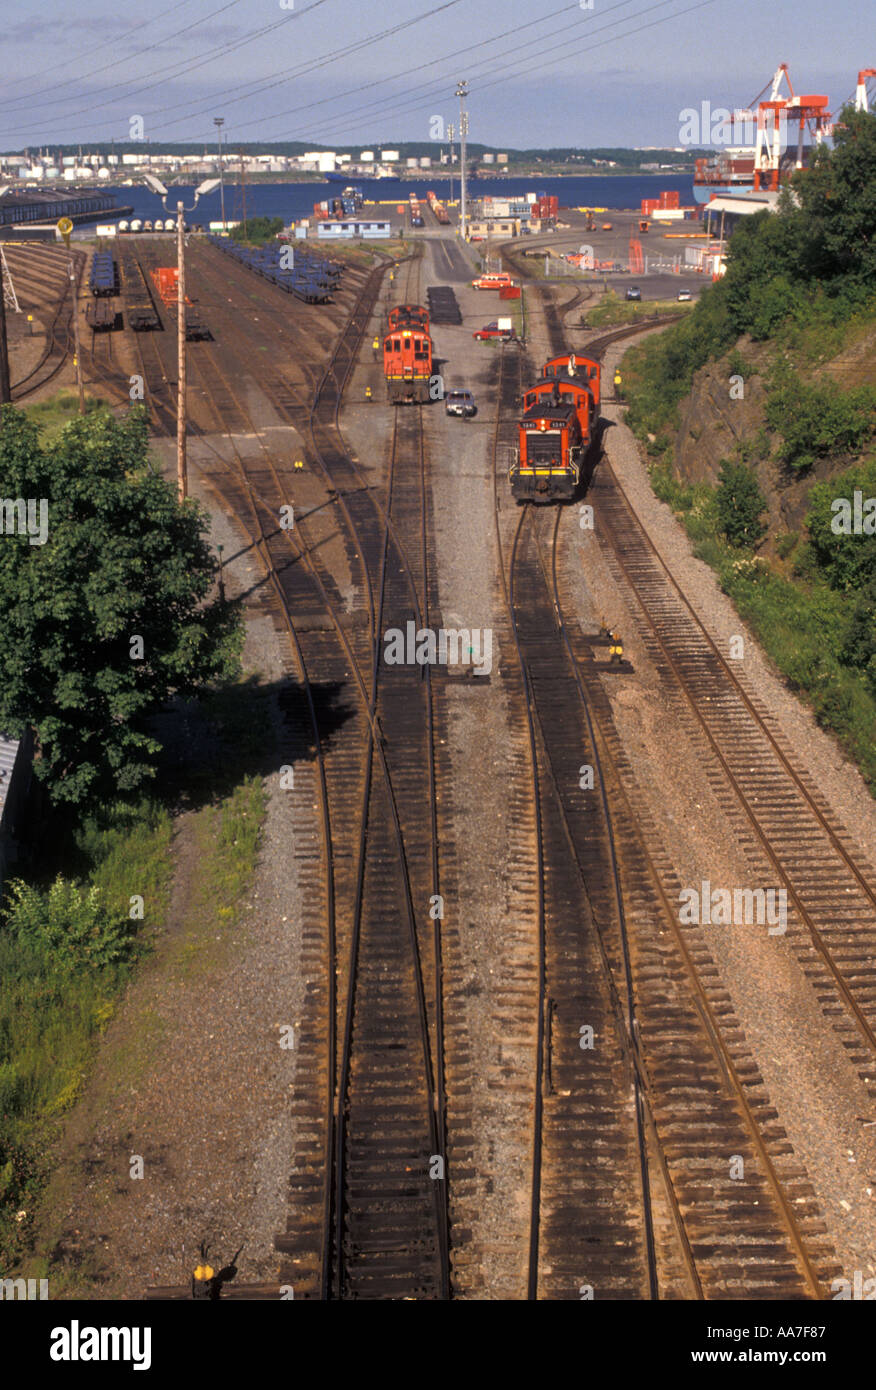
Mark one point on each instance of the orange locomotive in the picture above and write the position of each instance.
(407, 354)
(556, 430)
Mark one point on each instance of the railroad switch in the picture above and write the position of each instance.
(368, 395)
(298, 465)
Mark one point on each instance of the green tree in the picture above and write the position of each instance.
(846, 559)
(108, 619)
(259, 230)
(740, 502)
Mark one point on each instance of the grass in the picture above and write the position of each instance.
(227, 837)
(611, 310)
(799, 622)
(51, 415)
(52, 1013)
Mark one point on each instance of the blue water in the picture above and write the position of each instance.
(295, 200)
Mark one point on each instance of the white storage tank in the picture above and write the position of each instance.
(124, 225)
(136, 224)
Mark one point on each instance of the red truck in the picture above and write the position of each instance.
(499, 328)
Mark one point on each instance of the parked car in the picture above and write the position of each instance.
(497, 329)
(634, 292)
(459, 402)
(492, 280)
(684, 295)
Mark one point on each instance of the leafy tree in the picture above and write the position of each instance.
(847, 561)
(816, 419)
(821, 242)
(739, 502)
(122, 561)
(259, 230)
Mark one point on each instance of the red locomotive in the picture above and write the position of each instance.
(407, 354)
(408, 315)
(556, 430)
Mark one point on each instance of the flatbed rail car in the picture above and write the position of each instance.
(142, 314)
(101, 316)
(443, 305)
(407, 358)
(297, 271)
(103, 277)
(556, 430)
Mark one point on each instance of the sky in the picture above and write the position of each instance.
(540, 72)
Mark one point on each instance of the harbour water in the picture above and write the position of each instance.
(292, 201)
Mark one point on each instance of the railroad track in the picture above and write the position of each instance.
(692, 1087)
(47, 279)
(370, 1211)
(796, 841)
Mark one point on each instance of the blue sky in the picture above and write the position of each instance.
(616, 73)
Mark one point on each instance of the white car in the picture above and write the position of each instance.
(683, 295)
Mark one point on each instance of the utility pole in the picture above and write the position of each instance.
(219, 122)
(208, 186)
(65, 227)
(450, 134)
(74, 296)
(243, 190)
(5, 389)
(462, 93)
(182, 476)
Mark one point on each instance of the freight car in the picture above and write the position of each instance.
(142, 313)
(557, 429)
(103, 281)
(407, 356)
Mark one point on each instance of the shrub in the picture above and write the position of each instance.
(69, 924)
(739, 503)
(846, 561)
(816, 419)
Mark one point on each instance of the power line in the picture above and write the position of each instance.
(119, 62)
(184, 68)
(424, 97)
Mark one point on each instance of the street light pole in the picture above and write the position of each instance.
(208, 186)
(450, 134)
(219, 122)
(182, 476)
(5, 389)
(462, 93)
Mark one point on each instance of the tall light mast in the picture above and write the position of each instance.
(462, 93)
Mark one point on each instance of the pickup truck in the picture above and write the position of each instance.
(499, 328)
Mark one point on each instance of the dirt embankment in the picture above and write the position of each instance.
(715, 422)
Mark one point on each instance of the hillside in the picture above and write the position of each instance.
(758, 415)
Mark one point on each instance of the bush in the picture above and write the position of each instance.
(817, 419)
(69, 924)
(739, 503)
(258, 230)
(846, 561)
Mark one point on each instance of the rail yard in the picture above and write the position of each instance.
(517, 732)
